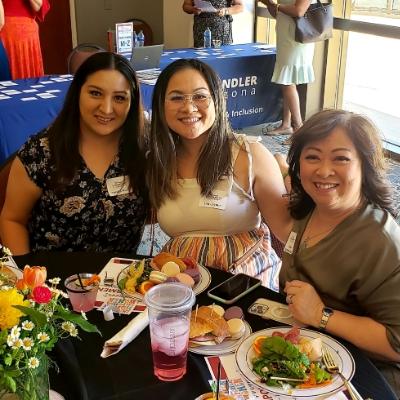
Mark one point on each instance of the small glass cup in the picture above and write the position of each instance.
(216, 43)
(169, 306)
(81, 298)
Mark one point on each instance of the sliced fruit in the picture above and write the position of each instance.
(258, 343)
(145, 286)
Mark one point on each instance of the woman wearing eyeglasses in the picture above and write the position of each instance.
(211, 187)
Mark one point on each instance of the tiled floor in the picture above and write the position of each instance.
(275, 145)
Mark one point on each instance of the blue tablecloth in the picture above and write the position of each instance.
(29, 105)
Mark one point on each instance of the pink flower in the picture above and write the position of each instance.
(41, 294)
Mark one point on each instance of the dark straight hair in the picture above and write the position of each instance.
(215, 159)
(64, 133)
(365, 137)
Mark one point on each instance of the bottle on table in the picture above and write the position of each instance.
(140, 39)
(134, 39)
(207, 38)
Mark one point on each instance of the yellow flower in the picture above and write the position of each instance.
(9, 316)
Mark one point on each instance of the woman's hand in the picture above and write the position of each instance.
(189, 8)
(304, 302)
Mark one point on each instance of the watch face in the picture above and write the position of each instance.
(327, 311)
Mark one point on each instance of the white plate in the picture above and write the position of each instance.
(227, 346)
(245, 353)
(200, 286)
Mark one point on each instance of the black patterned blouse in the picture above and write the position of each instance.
(220, 26)
(84, 217)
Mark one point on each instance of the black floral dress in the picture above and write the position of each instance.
(220, 26)
(84, 217)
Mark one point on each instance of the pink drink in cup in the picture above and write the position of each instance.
(169, 307)
(83, 297)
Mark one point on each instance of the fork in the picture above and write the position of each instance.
(333, 368)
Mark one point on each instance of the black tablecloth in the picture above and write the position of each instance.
(129, 374)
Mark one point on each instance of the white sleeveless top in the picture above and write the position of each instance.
(232, 211)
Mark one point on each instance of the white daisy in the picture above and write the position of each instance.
(27, 343)
(15, 331)
(27, 325)
(10, 340)
(67, 326)
(55, 281)
(33, 362)
(74, 332)
(43, 337)
(17, 344)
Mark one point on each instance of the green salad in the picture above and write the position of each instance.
(278, 357)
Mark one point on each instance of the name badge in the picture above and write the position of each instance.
(118, 185)
(217, 200)
(289, 246)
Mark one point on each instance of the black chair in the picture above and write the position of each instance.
(81, 53)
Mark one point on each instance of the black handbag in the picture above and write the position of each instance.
(316, 24)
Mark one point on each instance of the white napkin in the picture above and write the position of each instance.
(125, 335)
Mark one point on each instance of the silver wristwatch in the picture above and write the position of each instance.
(326, 314)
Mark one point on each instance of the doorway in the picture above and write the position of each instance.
(56, 37)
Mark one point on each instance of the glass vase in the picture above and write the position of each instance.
(33, 384)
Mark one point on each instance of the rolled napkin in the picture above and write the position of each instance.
(125, 335)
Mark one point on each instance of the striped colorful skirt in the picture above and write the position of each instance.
(250, 253)
(20, 37)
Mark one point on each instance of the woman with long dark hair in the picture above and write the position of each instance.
(79, 185)
(210, 186)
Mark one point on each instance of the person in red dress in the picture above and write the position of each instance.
(20, 36)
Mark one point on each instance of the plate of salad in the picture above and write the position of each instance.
(288, 361)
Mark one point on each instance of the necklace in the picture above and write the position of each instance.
(308, 238)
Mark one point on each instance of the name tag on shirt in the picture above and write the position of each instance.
(217, 200)
(118, 185)
(289, 246)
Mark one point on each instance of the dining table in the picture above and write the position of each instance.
(81, 373)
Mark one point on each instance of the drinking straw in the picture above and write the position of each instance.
(218, 378)
(80, 281)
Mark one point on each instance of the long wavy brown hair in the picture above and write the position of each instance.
(366, 139)
(215, 159)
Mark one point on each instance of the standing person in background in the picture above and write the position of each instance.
(4, 66)
(20, 36)
(219, 22)
(293, 61)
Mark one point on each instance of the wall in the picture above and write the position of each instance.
(95, 17)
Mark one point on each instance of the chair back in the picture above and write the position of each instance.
(4, 172)
(80, 54)
(140, 25)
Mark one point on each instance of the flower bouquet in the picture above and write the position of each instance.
(32, 320)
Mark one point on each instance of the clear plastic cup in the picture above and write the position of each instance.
(81, 298)
(213, 396)
(216, 43)
(169, 306)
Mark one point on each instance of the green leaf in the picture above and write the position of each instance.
(36, 316)
(78, 320)
(122, 283)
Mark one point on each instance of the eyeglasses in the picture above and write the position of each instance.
(200, 100)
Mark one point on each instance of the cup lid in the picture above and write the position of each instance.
(170, 297)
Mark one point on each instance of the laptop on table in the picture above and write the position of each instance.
(146, 57)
